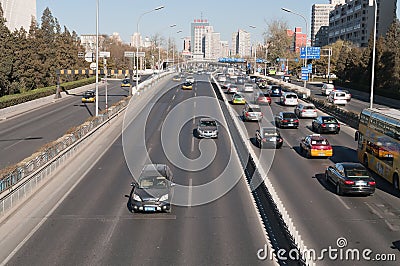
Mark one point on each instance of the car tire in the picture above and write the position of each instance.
(326, 177)
(396, 184)
(339, 189)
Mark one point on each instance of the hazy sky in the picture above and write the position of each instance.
(226, 16)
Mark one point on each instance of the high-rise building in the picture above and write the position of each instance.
(320, 18)
(136, 40)
(198, 29)
(299, 39)
(89, 41)
(241, 45)
(19, 13)
(212, 47)
(354, 20)
(224, 50)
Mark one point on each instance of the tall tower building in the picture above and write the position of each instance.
(320, 18)
(212, 48)
(241, 43)
(198, 29)
(19, 13)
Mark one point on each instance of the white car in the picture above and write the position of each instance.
(327, 88)
(289, 98)
(248, 87)
(337, 97)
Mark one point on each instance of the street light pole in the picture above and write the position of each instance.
(137, 44)
(371, 103)
(97, 57)
(255, 52)
(305, 20)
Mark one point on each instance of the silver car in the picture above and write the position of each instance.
(252, 112)
(305, 110)
(207, 128)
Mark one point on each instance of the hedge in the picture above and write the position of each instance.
(14, 99)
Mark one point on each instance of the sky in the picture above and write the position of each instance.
(225, 16)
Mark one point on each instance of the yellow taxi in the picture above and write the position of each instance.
(89, 96)
(187, 86)
(238, 99)
(177, 78)
(125, 83)
(315, 146)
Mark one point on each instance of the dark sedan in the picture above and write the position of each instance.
(286, 119)
(275, 90)
(269, 137)
(325, 124)
(153, 190)
(350, 178)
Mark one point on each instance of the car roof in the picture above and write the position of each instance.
(316, 137)
(351, 165)
(270, 129)
(154, 170)
(207, 119)
(251, 105)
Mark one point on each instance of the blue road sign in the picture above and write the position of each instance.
(304, 70)
(309, 68)
(304, 76)
(312, 52)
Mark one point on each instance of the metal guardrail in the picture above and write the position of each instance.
(265, 194)
(19, 182)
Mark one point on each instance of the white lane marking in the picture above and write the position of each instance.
(194, 104)
(373, 210)
(173, 97)
(190, 192)
(342, 201)
(26, 138)
(192, 146)
(44, 219)
(169, 107)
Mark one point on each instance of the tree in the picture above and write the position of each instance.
(7, 56)
(277, 39)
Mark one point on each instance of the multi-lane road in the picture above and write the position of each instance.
(26, 133)
(92, 225)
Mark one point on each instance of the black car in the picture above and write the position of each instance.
(275, 90)
(350, 178)
(325, 124)
(269, 137)
(153, 190)
(287, 119)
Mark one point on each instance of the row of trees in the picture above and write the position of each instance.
(350, 63)
(30, 59)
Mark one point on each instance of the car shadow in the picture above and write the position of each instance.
(253, 141)
(343, 154)
(331, 187)
(21, 139)
(396, 245)
(195, 134)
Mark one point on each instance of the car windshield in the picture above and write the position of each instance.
(264, 95)
(319, 142)
(268, 132)
(254, 109)
(208, 123)
(309, 107)
(357, 173)
(125, 81)
(291, 96)
(329, 120)
(289, 115)
(153, 182)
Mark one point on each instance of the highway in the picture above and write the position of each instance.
(319, 214)
(24, 134)
(92, 225)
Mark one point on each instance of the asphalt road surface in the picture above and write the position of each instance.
(93, 226)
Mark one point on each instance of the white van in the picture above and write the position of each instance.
(289, 98)
(337, 97)
(327, 88)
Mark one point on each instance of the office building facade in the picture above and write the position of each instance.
(198, 29)
(354, 20)
(241, 43)
(19, 13)
(320, 18)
